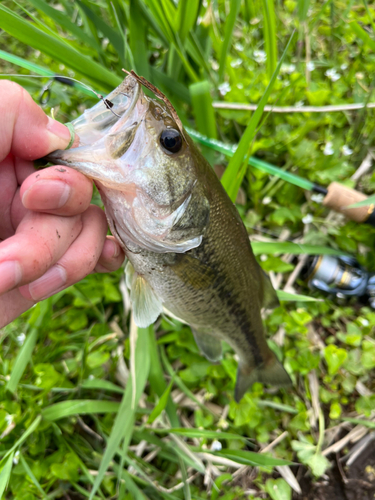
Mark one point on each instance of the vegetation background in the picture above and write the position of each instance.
(87, 413)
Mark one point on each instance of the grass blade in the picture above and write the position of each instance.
(24, 31)
(26, 350)
(270, 41)
(187, 13)
(203, 110)
(32, 477)
(24, 436)
(250, 458)
(286, 296)
(5, 474)
(229, 26)
(278, 247)
(124, 422)
(362, 34)
(78, 407)
(138, 39)
(63, 20)
(236, 169)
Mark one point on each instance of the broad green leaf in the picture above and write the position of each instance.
(237, 166)
(335, 357)
(278, 489)
(78, 407)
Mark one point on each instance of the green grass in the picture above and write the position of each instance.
(90, 408)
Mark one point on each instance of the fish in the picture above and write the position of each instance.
(188, 251)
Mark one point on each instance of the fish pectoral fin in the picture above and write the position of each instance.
(270, 298)
(146, 305)
(193, 272)
(209, 346)
(271, 373)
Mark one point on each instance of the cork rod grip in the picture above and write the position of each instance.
(339, 197)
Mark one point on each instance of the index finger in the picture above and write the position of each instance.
(25, 130)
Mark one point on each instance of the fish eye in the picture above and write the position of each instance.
(171, 140)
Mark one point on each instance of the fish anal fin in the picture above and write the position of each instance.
(270, 299)
(146, 305)
(194, 272)
(209, 346)
(272, 373)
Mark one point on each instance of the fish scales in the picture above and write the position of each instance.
(188, 249)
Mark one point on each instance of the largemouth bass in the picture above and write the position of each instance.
(188, 249)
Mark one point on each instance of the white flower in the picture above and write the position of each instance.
(16, 457)
(224, 88)
(238, 46)
(364, 321)
(317, 197)
(332, 74)
(346, 151)
(287, 68)
(307, 219)
(240, 86)
(266, 200)
(235, 63)
(214, 64)
(91, 377)
(344, 66)
(223, 424)
(263, 257)
(20, 338)
(310, 66)
(216, 445)
(328, 149)
(9, 419)
(260, 56)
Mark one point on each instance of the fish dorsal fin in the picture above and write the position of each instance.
(270, 299)
(208, 345)
(193, 272)
(146, 305)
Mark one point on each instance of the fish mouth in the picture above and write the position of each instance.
(103, 133)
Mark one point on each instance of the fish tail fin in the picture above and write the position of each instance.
(271, 372)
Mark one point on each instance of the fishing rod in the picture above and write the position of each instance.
(336, 196)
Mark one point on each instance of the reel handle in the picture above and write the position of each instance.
(339, 197)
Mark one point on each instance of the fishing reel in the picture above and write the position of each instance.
(341, 276)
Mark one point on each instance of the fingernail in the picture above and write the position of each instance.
(114, 249)
(46, 195)
(51, 282)
(10, 275)
(59, 134)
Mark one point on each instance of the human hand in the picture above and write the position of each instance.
(50, 235)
